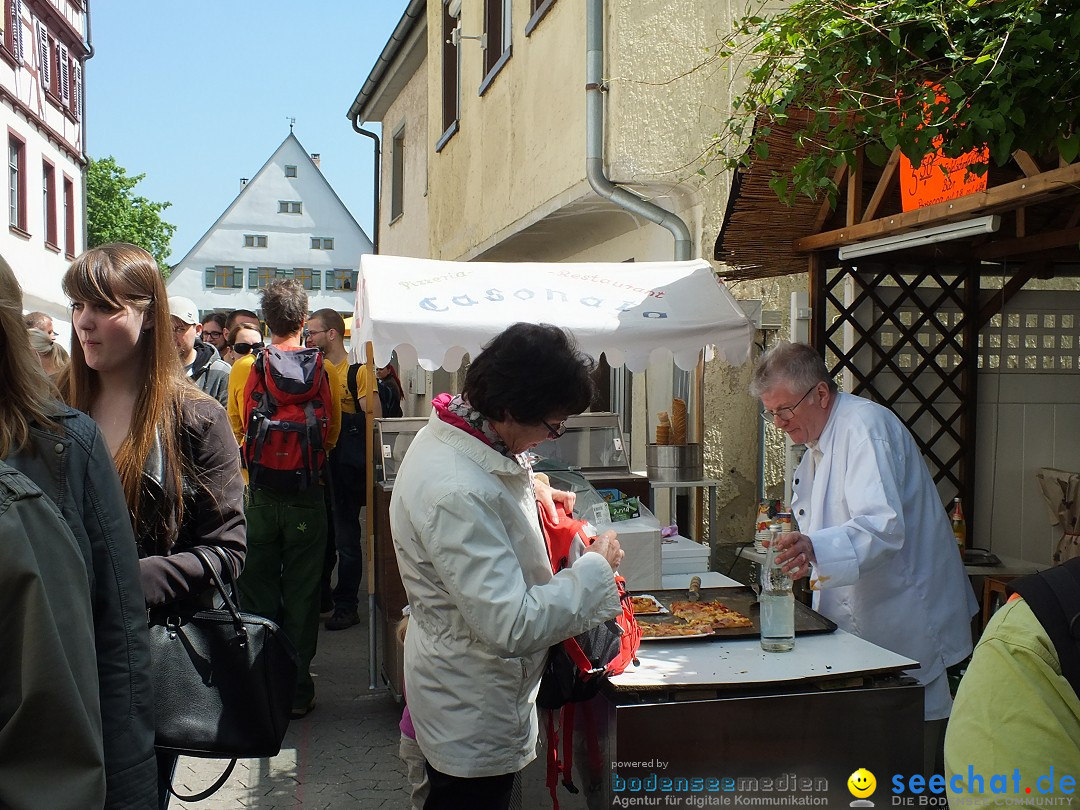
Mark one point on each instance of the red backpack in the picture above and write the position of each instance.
(287, 413)
(577, 667)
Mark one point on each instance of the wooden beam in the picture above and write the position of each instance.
(1021, 222)
(887, 174)
(1026, 163)
(1015, 283)
(1035, 243)
(1074, 217)
(1026, 191)
(854, 188)
(825, 209)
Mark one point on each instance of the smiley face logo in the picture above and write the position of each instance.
(862, 783)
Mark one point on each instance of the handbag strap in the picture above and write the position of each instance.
(214, 788)
(230, 604)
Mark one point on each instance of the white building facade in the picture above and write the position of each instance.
(43, 49)
(286, 222)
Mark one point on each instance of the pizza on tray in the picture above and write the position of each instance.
(651, 630)
(646, 605)
(714, 614)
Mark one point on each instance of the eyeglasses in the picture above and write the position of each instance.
(212, 334)
(785, 414)
(244, 348)
(555, 432)
(311, 332)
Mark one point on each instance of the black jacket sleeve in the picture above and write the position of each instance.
(213, 510)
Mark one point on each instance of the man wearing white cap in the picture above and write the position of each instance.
(201, 361)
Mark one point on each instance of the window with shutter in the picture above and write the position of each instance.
(238, 278)
(15, 40)
(211, 276)
(43, 56)
(78, 90)
(65, 74)
(253, 278)
(315, 278)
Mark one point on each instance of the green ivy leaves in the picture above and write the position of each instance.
(866, 69)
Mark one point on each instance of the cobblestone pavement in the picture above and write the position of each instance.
(342, 755)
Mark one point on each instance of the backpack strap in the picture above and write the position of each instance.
(353, 373)
(1054, 598)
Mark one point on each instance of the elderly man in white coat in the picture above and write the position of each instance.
(873, 534)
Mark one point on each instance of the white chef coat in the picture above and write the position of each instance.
(886, 557)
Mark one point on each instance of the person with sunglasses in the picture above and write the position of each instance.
(485, 605)
(873, 534)
(247, 343)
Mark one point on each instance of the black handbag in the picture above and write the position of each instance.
(224, 681)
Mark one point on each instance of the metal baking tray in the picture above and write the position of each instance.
(742, 599)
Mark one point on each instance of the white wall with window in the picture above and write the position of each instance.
(286, 222)
(41, 52)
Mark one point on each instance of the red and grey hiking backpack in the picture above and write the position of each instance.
(577, 667)
(287, 413)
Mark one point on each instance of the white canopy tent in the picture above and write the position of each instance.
(434, 313)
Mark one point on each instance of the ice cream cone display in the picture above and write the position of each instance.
(678, 421)
(663, 428)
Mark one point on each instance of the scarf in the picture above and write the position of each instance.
(454, 410)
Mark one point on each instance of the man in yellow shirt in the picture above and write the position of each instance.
(348, 470)
(286, 529)
(247, 345)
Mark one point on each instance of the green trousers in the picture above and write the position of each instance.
(286, 543)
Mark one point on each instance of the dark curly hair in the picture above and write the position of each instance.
(530, 372)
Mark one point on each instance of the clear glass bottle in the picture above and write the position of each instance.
(777, 602)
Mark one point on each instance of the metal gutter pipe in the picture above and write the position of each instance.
(594, 140)
(413, 12)
(82, 123)
(376, 180)
(373, 672)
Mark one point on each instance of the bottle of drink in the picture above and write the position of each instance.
(777, 603)
(959, 526)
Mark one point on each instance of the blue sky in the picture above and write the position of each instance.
(197, 94)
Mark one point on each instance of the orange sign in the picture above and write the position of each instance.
(938, 178)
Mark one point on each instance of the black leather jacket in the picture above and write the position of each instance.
(74, 468)
(213, 491)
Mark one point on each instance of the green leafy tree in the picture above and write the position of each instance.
(877, 74)
(115, 213)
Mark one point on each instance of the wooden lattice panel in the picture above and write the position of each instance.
(899, 338)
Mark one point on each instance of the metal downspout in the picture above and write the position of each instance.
(376, 181)
(602, 185)
(82, 122)
(594, 140)
(373, 670)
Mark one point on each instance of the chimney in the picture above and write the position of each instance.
(315, 159)
(243, 182)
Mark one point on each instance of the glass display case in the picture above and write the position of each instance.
(592, 445)
(392, 438)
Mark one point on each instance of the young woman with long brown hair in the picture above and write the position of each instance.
(171, 443)
(63, 453)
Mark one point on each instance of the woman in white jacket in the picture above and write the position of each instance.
(485, 605)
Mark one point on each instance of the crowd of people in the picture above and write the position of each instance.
(160, 434)
(119, 460)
